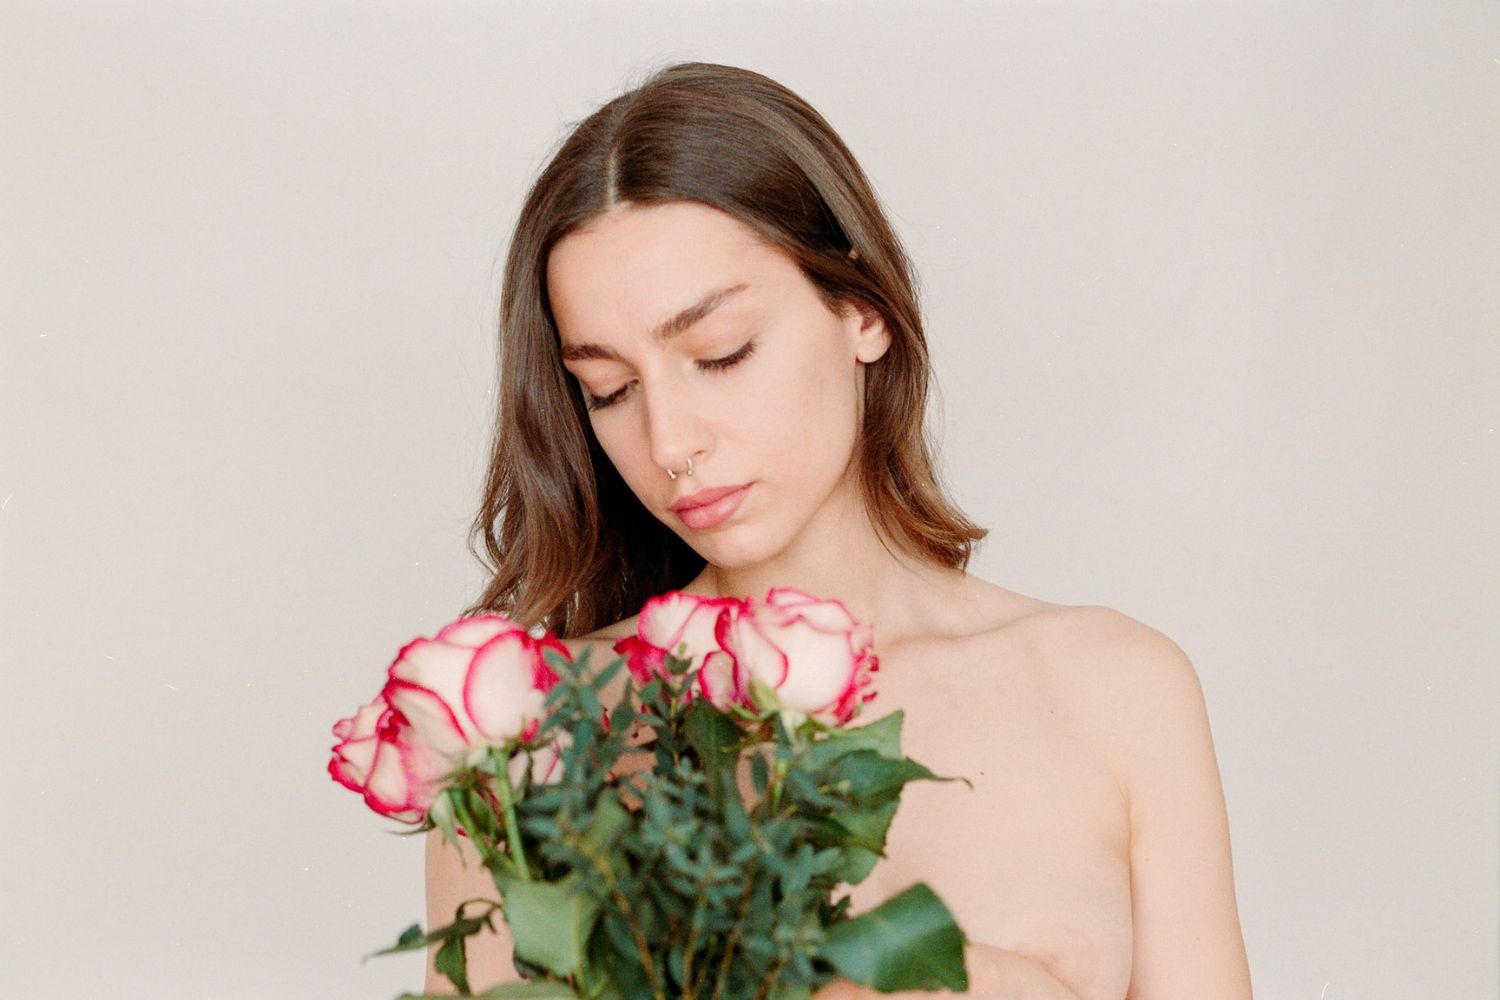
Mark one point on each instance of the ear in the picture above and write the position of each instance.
(867, 328)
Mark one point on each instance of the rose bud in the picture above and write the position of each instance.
(377, 757)
(808, 655)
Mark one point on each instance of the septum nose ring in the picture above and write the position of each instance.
(673, 475)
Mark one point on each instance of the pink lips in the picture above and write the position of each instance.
(706, 508)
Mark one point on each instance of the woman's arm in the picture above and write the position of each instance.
(1186, 928)
(452, 877)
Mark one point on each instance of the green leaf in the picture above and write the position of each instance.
(909, 942)
(449, 961)
(412, 938)
(713, 735)
(611, 821)
(441, 815)
(883, 736)
(608, 672)
(549, 921)
(874, 779)
(865, 828)
(760, 772)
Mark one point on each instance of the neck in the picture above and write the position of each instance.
(902, 596)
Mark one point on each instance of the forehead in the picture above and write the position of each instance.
(637, 265)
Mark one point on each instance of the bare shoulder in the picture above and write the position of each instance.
(1126, 685)
(1096, 645)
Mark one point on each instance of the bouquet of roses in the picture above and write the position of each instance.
(686, 840)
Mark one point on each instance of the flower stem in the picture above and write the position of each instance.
(508, 810)
(778, 778)
(734, 933)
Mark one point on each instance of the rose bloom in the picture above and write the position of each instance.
(377, 757)
(481, 682)
(687, 626)
(811, 653)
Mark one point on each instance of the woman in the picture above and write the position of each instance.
(714, 376)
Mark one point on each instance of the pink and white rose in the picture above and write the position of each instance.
(807, 653)
(687, 626)
(378, 757)
(481, 682)
(809, 656)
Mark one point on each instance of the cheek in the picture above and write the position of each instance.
(629, 461)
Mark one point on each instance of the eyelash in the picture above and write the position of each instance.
(712, 364)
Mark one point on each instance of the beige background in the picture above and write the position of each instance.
(1213, 290)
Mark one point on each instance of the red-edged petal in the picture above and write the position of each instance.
(476, 630)
(757, 655)
(545, 677)
(642, 659)
(434, 722)
(440, 668)
(719, 681)
(673, 619)
(389, 790)
(663, 618)
(500, 694)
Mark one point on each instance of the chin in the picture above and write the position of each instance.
(738, 551)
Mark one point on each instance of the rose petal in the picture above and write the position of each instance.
(673, 619)
(429, 715)
(476, 630)
(719, 681)
(441, 668)
(644, 661)
(501, 695)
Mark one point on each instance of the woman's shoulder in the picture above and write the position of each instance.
(1106, 650)
(1125, 684)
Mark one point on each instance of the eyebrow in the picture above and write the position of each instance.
(664, 331)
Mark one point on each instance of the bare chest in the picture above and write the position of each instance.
(1035, 856)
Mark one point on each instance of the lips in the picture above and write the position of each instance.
(704, 497)
(718, 506)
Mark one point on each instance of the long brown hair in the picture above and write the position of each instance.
(570, 547)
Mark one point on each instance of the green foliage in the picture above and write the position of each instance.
(909, 942)
(648, 872)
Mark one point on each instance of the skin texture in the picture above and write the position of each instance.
(1091, 858)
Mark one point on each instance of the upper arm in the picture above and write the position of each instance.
(454, 875)
(1185, 922)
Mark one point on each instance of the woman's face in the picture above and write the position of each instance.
(755, 379)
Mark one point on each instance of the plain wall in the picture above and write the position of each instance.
(1213, 293)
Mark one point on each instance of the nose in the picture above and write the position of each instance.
(676, 426)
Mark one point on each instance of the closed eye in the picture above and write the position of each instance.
(708, 365)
